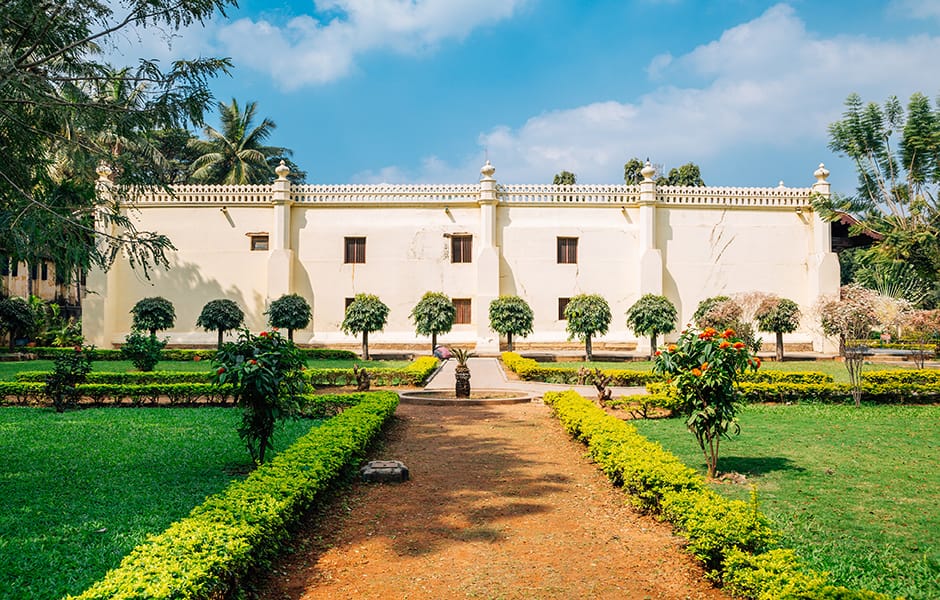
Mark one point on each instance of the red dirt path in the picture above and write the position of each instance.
(501, 504)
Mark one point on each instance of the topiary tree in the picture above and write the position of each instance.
(153, 315)
(290, 312)
(588, 315)
(779, 316)
(652, 315)
(851, 319)
(366, 313)
(220, 315)
(923, 327)
(705, 306)
(433, 314)
(16, 318)
(509, 316)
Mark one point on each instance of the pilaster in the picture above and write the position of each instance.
(823, 262)
(487, 262)
(281, 258)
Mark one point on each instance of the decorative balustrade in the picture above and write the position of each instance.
(470, 193)
(734, 196)
(384, 193)
(568, 194)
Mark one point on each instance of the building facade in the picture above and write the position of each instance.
(473, 242)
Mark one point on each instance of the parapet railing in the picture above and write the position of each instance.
(734, 196)
(568, 194)
(384, 193)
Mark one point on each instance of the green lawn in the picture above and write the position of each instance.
(830, 367)
(8, 370)
(855, 491)
(79, 490)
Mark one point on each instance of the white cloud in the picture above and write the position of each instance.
(308, 50)
(768, 82)
(919, 9)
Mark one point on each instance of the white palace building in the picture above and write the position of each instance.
(473, 242)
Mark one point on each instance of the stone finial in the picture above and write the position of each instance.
(487, 170)
(282, 171)
(104, 172)
(648, 171)
(780, 185)
(821, 173)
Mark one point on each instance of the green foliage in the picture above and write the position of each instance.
(565, 178)
(530, 370)
(64, 110)
(432, 315)
(414, 374)
(70, 370)
(365, 314)
(631, 171)
(208, 553)
(688, 175)
(652, 315)
(511, 315)
(220, 315)
(236, 154)
(153, 315)
(704, 368)
(16, 318)
(779, 316)
(290, 312)
(897, 190)
(100, 482)
(142, 350)
(266, 374)
(705, 306)
(587, 315)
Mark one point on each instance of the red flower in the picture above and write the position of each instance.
(253, 361)
(696, 372)
(220, 371)
(728, 333)
(78, 348)
(724, 344)
(264, 334)
(658, 353)
(757, 362)
(739, 345)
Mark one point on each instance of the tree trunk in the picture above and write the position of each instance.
(779, 346)
(220, 339)
(365, 345)
(462, 382)
(652, 345)
(587, 348)
(509, 341)
(290, 334)
(433, 341)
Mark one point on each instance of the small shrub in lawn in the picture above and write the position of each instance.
(70, 370)
(266, 372)
(144, 351)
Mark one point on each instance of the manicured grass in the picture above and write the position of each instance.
(8, 370)
(79, 490)
(854, 491)
(834, 368)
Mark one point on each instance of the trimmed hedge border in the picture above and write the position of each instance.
(413, 375)
(530, 370)
(733, 539)
(188, 354)
(206, 554)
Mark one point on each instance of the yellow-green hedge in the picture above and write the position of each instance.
(530, 370)
(206, 554)
(733, 539)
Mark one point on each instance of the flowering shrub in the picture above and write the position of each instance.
(703, 367)
(266, 372)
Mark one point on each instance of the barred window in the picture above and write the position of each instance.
(562, 305)
(259, 242)
(567, 250)
(463, 311)
(461, 248)
(355, 250)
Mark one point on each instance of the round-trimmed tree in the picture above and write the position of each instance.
(290, 312)
(433, 314)
(780, 316)
(153, 315)
(509, 316)
(652, 315)
(588, 315)
(16, 318)
(220, 315)
(365, 314)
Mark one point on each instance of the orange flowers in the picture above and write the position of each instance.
(724, 344)
(739, 345)
(708, 333)
(728, 333)
(697, 372)
(672, 348)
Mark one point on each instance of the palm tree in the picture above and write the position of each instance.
(236, 154)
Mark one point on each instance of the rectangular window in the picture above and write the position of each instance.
(16, 268)
(567, 250)
(355, 250)
(461, 248)
(259, 243)
(33, 272)
(44, 271)
(562, 305)
(348, 301)
(4, 266)
(463, 311)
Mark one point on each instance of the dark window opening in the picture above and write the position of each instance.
(355, 250)
(259, 242)
(567, 250)
(44, 271)
(461, 248)
(463, 311)
(562, 305)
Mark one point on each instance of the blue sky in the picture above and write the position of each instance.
(395, 91)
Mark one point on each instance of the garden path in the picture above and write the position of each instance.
(501, 504)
